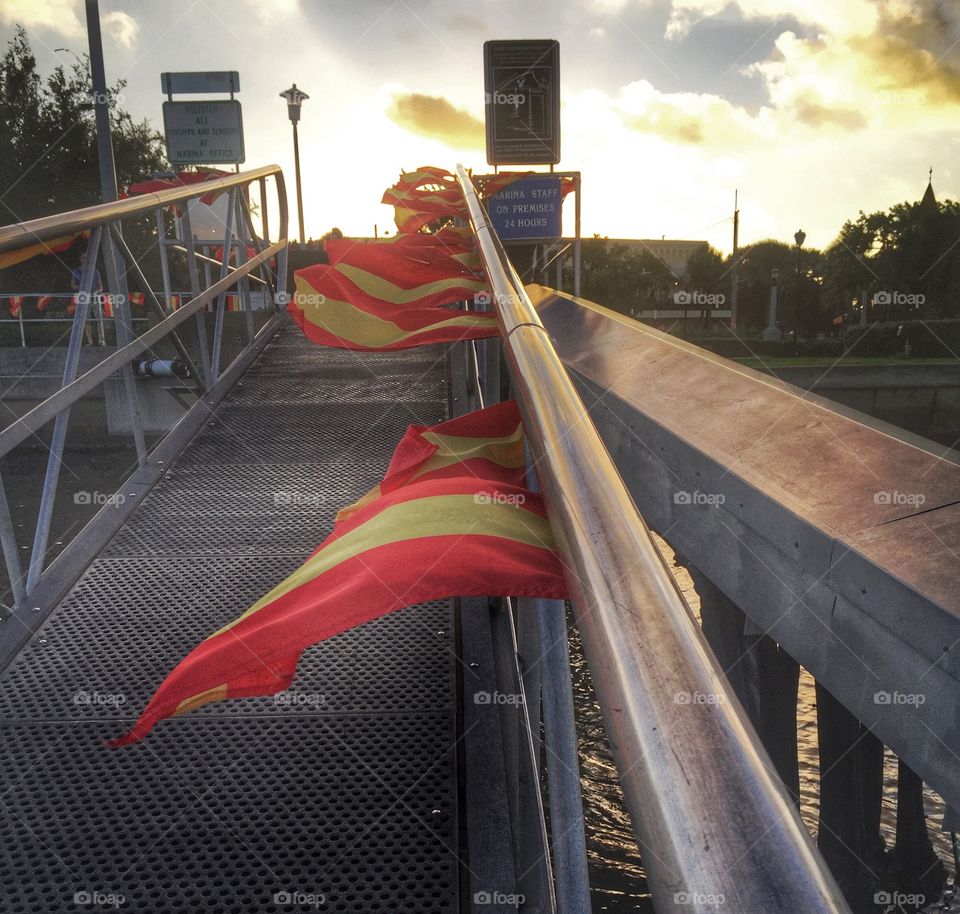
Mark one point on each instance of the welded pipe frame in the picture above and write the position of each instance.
(716, 829)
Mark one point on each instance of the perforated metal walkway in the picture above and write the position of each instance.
(343, 797)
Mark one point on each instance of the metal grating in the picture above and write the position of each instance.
(282, 433)
(144, 615)
(341, 386)
(231, 816)
(344, 789)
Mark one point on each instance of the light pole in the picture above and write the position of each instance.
(772, 331)
(295, 97)
(101, 105)
(799, 237)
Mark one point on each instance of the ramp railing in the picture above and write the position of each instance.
(244, 257)
(715, 827)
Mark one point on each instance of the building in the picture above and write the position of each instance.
(674, 252)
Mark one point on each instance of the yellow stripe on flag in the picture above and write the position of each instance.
(505, 451)
(361, 328)
(437, 515)
(218, 693)
(378, 287)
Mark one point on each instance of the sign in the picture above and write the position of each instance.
(200, 83)
(522, 84)
(528, 209)
(203, 132)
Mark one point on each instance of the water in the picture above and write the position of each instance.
(88, 476)
(616, 872)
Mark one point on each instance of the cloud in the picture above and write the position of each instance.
(836, 16)
(435, 117)
(464, 22)
(685, 117)
(59, 15)
(814, 114)
(122, 26)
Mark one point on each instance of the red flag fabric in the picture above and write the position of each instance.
(451, 517)
(184, 179)
(339, 309)
(53, 246)
(404, 266)
(424, 196)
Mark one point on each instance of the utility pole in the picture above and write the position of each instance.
(735, 266)
(101, 106)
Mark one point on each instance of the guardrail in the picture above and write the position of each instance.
(716, 829)
(103, 222)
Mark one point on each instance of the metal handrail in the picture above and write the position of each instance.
(103, 221)
(31, 422)
(717, 830)
(19, 234)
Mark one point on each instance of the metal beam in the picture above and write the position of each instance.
(26, 425)
(805, 513)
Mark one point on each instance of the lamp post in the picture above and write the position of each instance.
(799, 237)
(772, 331)
(295, 97)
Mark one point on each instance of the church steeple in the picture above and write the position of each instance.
(929, 201)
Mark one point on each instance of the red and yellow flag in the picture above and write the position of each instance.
(184, 179)
(53, 246)
(352, 309)
(421, 197)
(16, 304)
(407, 264)
(451, 517)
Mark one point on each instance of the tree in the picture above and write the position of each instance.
(48, 140)
(623, 278)
(906, 259)
(48, 154)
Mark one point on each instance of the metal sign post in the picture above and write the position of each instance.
(522, 83)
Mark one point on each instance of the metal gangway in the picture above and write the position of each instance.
(377, 783)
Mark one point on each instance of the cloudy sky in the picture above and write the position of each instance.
(814, 109)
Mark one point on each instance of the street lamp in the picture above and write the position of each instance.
(295, 97)
(799, 237)
(772, 331)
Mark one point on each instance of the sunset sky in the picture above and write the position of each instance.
(814, 109)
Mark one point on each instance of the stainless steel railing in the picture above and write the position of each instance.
(103, 221)
(716, 829)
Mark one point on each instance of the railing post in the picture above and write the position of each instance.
(154, 302)
(243, 287)
(164, 260)
(117, 286)
(520, 729)
(8, 542)
(224, 270)
(55, 458)
(201, 322)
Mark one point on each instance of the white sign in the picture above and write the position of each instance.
(203, 132)
(200, 82)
